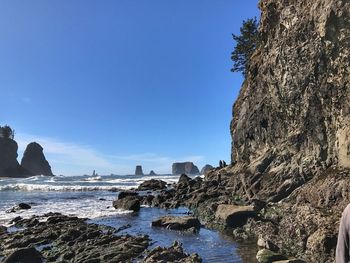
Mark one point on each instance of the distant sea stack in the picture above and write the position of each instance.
(184, 168)
(138, 170)
(206, 168)
(9, 166)
(34, 160)
(152, 173)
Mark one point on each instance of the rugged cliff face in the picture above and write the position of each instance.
(184, 168)
(9, 166)
(34, 160)
(292, 117)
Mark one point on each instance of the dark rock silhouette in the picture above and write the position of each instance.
(184, 168)
(9, 166)
(138, 170)
(152, 173)
(34, 160)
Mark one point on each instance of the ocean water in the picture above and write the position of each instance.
(91, 197)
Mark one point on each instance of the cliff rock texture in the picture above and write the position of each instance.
(292, 117)
(9, 166)
(291, 126)
(34, 160)
(184, 168)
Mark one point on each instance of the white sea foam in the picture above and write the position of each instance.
(59, 188)
(85, 208)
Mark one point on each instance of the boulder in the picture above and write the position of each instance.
(174, 253)
(152, 184)
(34, 160)
(20, 206)
(123, 194)
(138, 170)
(9, 166)
(178, 223)
(184, 168)
(233, 215)
(267, 256)
(24, 255)
(127, 203)
(206, 168)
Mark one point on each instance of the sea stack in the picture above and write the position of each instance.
(9, 166)
(152, 173)
(206, 168)
(184, 168)
(138, 170)
(34, 160)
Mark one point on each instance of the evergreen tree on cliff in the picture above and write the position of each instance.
(246, 43)
(6, 132)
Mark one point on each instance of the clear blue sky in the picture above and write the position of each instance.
(110, 84)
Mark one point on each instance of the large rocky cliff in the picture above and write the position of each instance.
(291, 128)
(9, 166)
(184, 168)
(292, 117)
(34, 160)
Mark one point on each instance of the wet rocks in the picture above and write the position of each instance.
(233, 215)
(152, 184)
(178, 223)
(174, 253)
(24, 255)
(20, 206)
(71, 239)
(34, 160)
(129, 202)
(184, 168)
(123, 194)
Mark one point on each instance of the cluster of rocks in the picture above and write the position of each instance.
(58, 238)
(33, 161)
(217, 206)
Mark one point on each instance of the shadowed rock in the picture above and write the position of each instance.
(184, 168)
(152, 184)
(233, 215)
(34, 160)
(138, 170)
(24, 255)
(178, 223)
(9, 166)
(128, 203)
(174, 253)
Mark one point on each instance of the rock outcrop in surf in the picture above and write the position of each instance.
(184, 168)
(9, 166)
(34, 160)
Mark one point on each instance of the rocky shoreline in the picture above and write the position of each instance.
(58, 238)
(299, 228)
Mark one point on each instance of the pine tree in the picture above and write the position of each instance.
(7, 132)
(246, 43)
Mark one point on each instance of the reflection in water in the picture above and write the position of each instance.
(210, 245)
